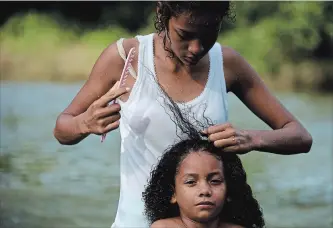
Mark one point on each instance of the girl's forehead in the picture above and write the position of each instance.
(200, 161)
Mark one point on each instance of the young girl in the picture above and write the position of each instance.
(193, 69)
(195, 185)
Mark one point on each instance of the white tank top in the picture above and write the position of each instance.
(147, 131)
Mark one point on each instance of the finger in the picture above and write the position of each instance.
(109, 110)
(111, 126)
(225, 142)
(110, 119)
(106, 99)
(114, 87)
(234, 149)
(221, 135)
(113, 94)
(218, 128)
(231, 149)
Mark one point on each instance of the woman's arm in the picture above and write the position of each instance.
(71, 125)
(288, 135)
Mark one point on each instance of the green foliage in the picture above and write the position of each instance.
(272, 36)
(302, 24)
(104, 37)
(25, 33)
(249, 13)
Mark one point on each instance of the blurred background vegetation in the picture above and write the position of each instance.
(289, 43)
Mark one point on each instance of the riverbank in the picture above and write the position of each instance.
(36, 48)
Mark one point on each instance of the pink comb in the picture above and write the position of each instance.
(123, 76)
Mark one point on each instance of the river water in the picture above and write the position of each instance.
(44, 184)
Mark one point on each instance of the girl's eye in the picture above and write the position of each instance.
(190, 182)
(216, 181)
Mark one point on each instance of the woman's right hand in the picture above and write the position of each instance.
(100, 117)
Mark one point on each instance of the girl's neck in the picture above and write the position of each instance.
(188, 223)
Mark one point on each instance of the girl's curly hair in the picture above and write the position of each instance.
(222, 10)
(241, 208)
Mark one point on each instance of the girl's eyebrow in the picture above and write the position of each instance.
(190, 174)
(209, 175)
(215, 173)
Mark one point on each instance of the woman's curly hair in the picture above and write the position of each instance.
(241, 208)
(222, 10)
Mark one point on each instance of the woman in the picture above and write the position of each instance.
(194, 70)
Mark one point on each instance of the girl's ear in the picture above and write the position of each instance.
(173, 199)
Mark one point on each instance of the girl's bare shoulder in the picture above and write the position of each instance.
(230, 225)
(167, 223)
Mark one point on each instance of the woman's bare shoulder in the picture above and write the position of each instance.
(230, 58)
(128, 43)
(109, 64)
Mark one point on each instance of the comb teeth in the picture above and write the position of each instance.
(124, 79)
(127, 66)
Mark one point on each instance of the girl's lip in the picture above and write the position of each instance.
(205, 203)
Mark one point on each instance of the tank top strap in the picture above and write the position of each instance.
(218, 73)
(122, 54)
(143, 82)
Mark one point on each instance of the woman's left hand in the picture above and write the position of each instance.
(229, 139)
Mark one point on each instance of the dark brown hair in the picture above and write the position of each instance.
(222, 10)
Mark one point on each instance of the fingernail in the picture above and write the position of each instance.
(128, 88)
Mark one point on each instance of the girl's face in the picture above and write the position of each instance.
(192, 37)
(200, 188)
